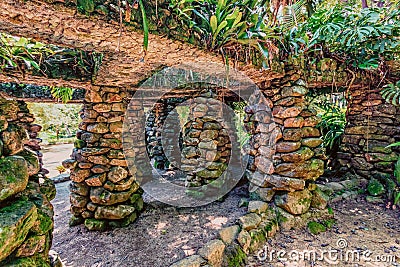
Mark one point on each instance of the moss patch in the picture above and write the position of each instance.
(315, 227)
(15, 222)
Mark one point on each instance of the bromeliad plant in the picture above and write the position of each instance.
(228, 24)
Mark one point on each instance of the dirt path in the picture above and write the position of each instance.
(161, 235)
(164, 234)
(368, 229)
(53, 155)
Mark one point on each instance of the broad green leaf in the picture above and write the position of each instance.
(213, 23)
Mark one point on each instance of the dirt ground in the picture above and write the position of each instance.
(53, 155)
(369, 229)
(159, 237)
(164, 234)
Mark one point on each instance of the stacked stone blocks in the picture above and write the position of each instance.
(26, 214)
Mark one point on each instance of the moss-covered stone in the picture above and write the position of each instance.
(375, 188)
(319, 199)
(43, 224)
(75, 220)
(95, 225)
(32, 161)
(113, 212)
(8, 109)
(48, 188)
(78, 143)
(86, 6)
(15, 222)
(27, 262)
(297, 202)
(235, 256)
(258, 239)
(32, 245)
(13, 139)
(13, 176)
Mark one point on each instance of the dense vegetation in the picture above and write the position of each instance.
(59, 121)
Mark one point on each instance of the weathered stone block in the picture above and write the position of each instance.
(13, 139)
(297, 202)
(244, 240)
(13, 176)
(292, 134)
(311, 142)
(319, 199)
(113, 212)
(297, 122)
(213, 251)
(31, 159)
(257, 206)
(117, 174)
(95, 225)
(15, 222)
(309, 170)
(229, 234)
(96, 180)
(310, 132)
(192, 261)
(100, 195)
(32, 245)
(79, 175)
(285, 147)
(249, 221)
(300, 155)
(78, 200)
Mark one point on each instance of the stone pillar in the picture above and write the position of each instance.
(372, 124)
(26, 214)
(285, 154)
(103, 191)
(206, 148)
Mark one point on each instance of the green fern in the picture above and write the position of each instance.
(296, 13)
(62, 93)
(391, 93)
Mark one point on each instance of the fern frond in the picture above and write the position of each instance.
(391, 93)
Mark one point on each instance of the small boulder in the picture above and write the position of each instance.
(213, 251)
(297, 202)
(13, 176)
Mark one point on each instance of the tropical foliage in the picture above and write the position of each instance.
(59, 121)
(362, 37)
(228, 24)
(21, 53)
(333, 122)
(391, 93)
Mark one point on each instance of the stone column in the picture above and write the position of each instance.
(285, 154)
(206, 148)
(103, 191)
(26, 214)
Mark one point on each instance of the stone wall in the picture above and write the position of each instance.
(372, 124)
(286, 153)
(26, 214)
(103, 191)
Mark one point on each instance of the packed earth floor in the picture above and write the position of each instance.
(164, 234)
